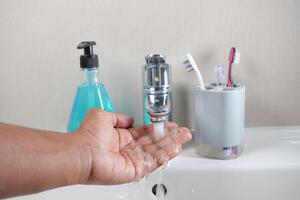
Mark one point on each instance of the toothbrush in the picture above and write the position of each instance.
(190, 65)
(234, 58)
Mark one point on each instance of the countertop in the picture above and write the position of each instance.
(264, 147)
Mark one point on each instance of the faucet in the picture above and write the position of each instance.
(157, 90)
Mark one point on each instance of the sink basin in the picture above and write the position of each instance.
(269, 168)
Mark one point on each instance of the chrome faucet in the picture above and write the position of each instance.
(157, 88)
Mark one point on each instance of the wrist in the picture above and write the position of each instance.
(83, 155)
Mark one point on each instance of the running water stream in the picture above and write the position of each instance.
(160, 191)
(164, 145)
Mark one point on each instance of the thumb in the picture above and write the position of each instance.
(121, 120)
(117, 120)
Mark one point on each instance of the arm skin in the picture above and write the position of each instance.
(35, 160)
(105, 149)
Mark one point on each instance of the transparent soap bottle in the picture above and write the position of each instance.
(91, 93)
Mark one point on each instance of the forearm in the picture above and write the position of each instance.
(34, 160)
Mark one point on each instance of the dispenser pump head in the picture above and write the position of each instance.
(88, 59)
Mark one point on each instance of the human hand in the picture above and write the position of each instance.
(120, 153)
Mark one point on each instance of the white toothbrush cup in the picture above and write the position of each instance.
(220, 116)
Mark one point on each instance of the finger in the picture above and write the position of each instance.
(121, 120)
(171, 125)
(139, 131)
(184, 135)
(145, 140)
(173, 149)
(181, 135)
(178, 135)
(117, 120)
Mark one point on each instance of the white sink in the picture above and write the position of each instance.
(269, 168)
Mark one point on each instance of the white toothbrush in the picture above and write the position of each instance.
(190, 65)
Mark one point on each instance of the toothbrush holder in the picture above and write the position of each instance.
(220, 116)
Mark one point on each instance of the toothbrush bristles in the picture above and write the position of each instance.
(237, 56)
(189, 68)
(188, 62)
(190, 65)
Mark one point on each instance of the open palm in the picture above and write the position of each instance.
(121, 153)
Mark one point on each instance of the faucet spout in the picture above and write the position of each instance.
(157, 88)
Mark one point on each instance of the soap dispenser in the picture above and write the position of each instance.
(91, 93)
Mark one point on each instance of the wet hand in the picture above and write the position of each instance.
(120, 153)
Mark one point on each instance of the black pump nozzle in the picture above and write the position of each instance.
(89, 59)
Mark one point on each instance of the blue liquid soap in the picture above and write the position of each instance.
(91, 93)
(146, 115)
